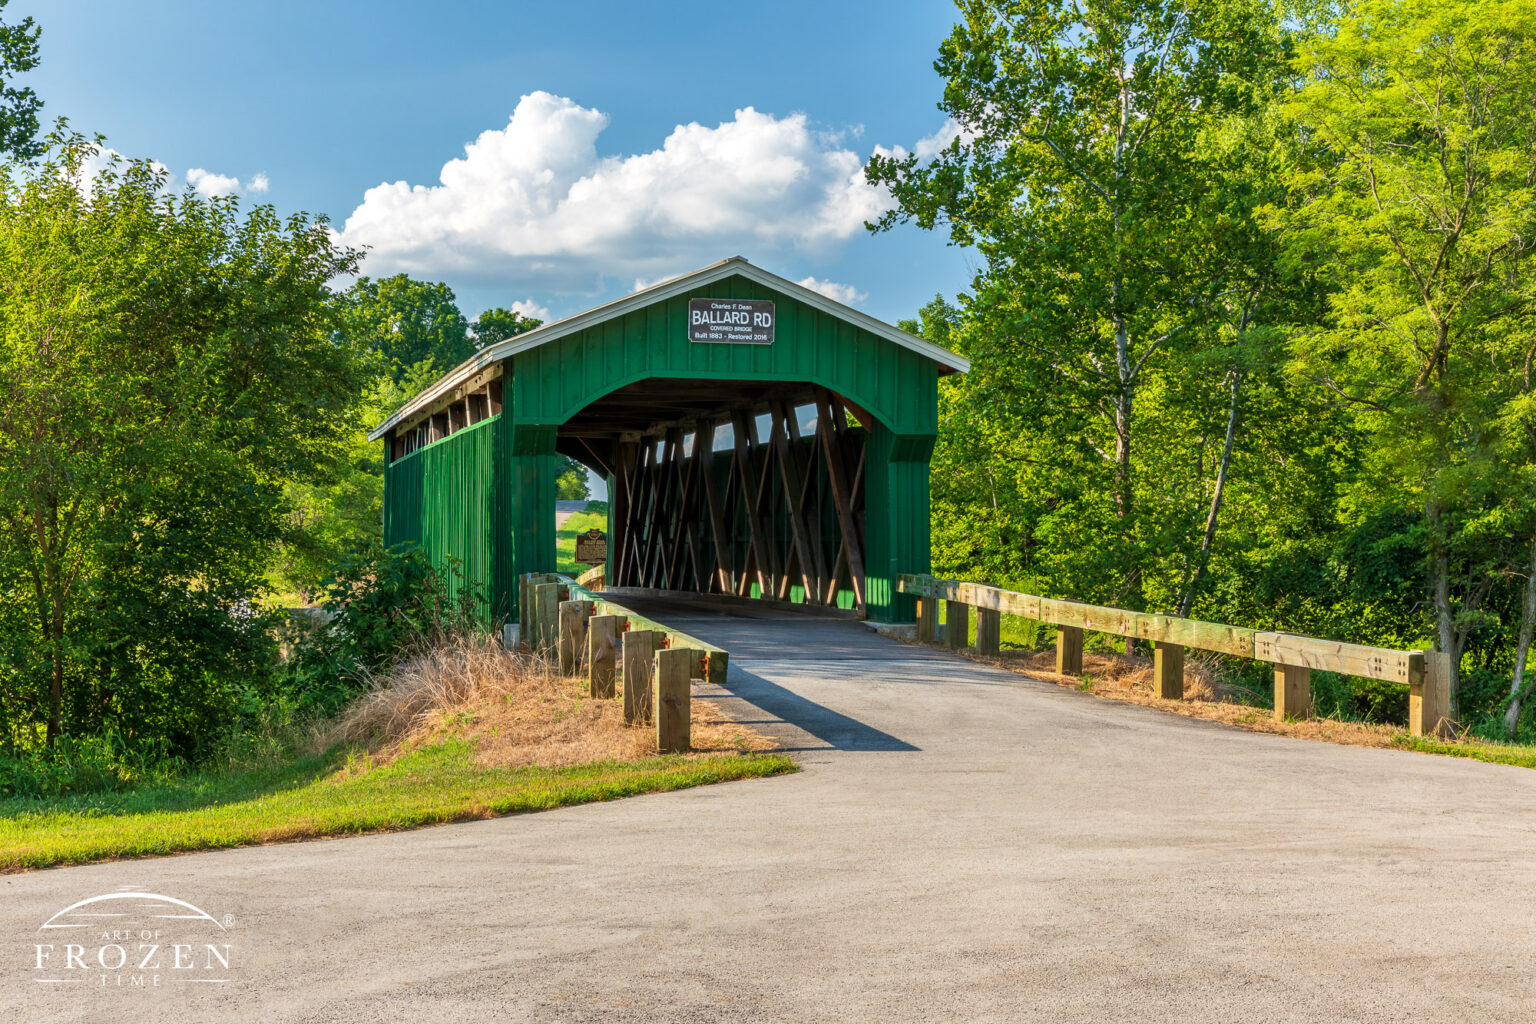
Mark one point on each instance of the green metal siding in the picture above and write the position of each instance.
(439, 498)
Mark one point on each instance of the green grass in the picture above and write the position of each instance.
(595, 516)
(329, 796)
(1521, 756)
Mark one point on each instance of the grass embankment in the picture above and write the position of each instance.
(457, 733)
(595, 516)
(334, 796)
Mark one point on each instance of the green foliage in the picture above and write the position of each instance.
(19, 107)
(344, 505)
(1102, 166)
(405, 323)
(381, 605)
(1250, 339)
(1417, 194)
(167, 365)
(499, 324)
(571, 483)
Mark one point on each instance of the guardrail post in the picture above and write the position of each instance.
(673, 673)
(523, 618)
(989, 631)
(1069, 650)
(603, 653)
(957, 624)
(1293, 692)
(573, 634)
(1428, 707)
(639, 650)
(1168, 671)
(546, 618)
(927, 619)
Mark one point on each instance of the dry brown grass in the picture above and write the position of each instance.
(517, 710)
(1206, 695)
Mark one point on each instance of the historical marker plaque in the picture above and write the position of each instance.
(730, 321)
(592, 547)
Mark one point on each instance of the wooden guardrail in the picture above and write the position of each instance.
(1425, 672)
(580, 629)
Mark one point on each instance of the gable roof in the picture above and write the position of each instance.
(735, 266)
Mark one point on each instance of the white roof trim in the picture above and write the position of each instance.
(671, 288)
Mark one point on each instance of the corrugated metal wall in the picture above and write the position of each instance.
(439, 497)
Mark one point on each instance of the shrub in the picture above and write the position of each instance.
(381, 605)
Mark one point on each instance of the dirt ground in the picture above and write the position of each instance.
(1128, 679)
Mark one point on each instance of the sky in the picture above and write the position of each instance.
(545, 157)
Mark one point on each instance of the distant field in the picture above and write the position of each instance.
(595, 516)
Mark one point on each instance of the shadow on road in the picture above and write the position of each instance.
(782, 707)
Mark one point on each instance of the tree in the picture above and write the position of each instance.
(1420, 199)
(342, 505)
(165, 367)
(19, 107)
(571, 483)
(499, 324)
(1079, 169)
(406, 322)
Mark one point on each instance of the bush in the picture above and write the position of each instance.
(82, 764)
(381, 605)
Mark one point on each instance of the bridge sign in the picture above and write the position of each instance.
(731, 321)
(592, 547)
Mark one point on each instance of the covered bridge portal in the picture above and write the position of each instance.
(758, 439)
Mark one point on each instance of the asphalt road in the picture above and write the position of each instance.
(963, 844)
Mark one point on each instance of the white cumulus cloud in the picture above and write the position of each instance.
(213, 185)
(210, 184)
(535, 201)
(847, 294)
(531, 309)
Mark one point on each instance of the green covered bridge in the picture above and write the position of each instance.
(758, 439)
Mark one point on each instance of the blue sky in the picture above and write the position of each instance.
(591, 189)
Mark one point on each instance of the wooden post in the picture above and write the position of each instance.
(957, 624)
(1293, 692)
(639, 648)
(927, 614)
(573, 634)
(603, 633)
(989, 631)
(1069, 650)
(546, 618)
(1168, 671)
(674, 714)
(527, 615)
(1428, 708)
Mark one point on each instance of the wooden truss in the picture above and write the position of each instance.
(778, 515)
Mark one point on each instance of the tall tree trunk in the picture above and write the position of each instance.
(1445, 618)
(56, 670)
(1187, 599)
(1517, 688)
